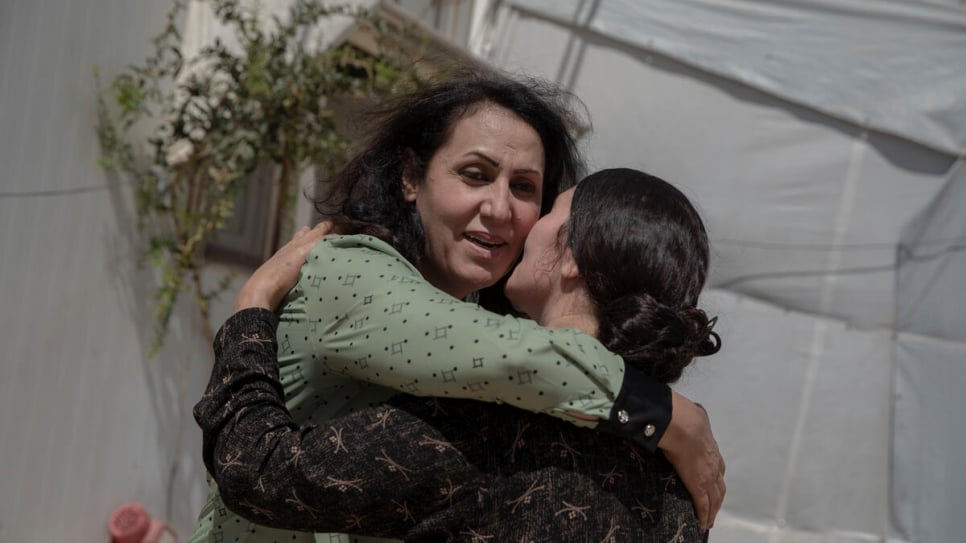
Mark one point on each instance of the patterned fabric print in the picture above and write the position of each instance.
(424, 470)
(361, 319)
(218, 524)
(544, 480)
(361, 314)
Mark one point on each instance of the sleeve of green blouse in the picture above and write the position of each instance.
(378, 321)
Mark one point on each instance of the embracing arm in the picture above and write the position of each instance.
(364, 312)
(527, 366)
(415, 469)
(365, 472)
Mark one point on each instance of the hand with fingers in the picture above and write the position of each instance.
(267, 286)
(691, 448)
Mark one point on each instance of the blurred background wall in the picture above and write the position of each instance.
(88, 420)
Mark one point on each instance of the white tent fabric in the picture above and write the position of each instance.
(933, 249)
(780, 434)
(891, 65)
(930, 478)
(820, 139)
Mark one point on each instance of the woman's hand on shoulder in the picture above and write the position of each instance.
(267, 287)
(691, 448)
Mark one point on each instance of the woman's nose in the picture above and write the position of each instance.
(496, 206)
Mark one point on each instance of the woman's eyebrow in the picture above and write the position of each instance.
(496, 164)
(493, 162)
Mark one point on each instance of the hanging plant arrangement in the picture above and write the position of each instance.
(189, 132)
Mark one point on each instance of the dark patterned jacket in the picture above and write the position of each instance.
(424, 469)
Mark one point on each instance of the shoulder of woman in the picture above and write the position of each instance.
(358, 250)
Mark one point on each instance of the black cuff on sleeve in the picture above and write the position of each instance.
(642, 411)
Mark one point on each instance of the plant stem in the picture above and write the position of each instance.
(203, 307)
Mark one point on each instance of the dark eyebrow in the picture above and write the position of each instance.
(496, 164)
(493, 162)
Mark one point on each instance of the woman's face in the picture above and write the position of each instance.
(479, 200)
(533, 280)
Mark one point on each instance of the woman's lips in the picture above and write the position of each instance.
(485, 241)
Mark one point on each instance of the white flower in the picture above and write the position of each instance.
(179, 152)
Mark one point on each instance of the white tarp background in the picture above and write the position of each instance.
(820, 139)
(893, 65)
(930, 357)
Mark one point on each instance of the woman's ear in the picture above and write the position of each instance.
(410, 184)
(568, 265)
(409, 188)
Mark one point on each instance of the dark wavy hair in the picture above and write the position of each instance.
(405, 133)
(643, 251)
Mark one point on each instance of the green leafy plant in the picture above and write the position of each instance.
(189, 132)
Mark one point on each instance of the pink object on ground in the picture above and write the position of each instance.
(130, 523)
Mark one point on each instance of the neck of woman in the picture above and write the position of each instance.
(579, 321)
(572, 309)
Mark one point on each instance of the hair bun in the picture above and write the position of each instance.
(654, 338)
(710, 341)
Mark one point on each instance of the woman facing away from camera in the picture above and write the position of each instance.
(470, 164)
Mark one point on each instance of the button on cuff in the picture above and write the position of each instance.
(641, 412)
(623, 417)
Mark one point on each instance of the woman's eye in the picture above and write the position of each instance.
(525, 185)
(473, 174)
